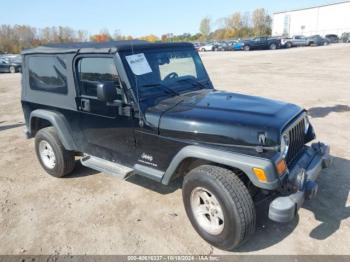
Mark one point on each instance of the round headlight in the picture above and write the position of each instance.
(284, 145)
(307, 124)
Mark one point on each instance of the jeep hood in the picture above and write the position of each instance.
(222, 117)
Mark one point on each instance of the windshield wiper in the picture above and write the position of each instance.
(162, 86)
(193, 82)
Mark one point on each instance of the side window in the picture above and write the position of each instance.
(48, 73)
(92, 70)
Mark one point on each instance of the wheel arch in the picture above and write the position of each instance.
(192, 156)
(191, 163)
(43, 118)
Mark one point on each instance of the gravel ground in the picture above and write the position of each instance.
(93, 213)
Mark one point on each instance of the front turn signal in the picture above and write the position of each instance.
(260, 174)
(281, 167)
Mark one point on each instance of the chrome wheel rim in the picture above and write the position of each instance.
(47, 154)
(207, 211)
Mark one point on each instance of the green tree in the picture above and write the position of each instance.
(205, 27)
(261, 22)
(234, 21)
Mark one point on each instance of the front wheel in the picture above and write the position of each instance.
(219, 206)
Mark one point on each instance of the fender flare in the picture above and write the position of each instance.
(243, 162)
(58, 121)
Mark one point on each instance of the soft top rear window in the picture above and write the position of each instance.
(48, 73)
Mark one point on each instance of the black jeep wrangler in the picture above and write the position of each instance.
(136, 108)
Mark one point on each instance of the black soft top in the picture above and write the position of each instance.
(105, 47)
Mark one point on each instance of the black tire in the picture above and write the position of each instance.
(12, 69)
(65, 161)
(234, 199)
(246, 48)
(289, 45)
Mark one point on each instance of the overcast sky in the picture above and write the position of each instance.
(134, 17)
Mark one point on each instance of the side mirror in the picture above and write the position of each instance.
(106, 91)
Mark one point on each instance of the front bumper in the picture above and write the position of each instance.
(302, 178)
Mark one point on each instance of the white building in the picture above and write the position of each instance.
(326, 19)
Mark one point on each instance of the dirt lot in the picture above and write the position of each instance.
(93, 213)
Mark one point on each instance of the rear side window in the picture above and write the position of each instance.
(48, 73)
(92, 70)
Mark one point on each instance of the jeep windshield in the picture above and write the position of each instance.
(157, 74)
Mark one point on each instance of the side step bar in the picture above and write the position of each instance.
(105, 166)
(149, 172)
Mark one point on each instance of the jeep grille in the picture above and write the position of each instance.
(296, 139)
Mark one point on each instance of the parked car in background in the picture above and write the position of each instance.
(197, 46)
(238, 45)
(207, 47)
(345, 37)
(222, 46)
(294, 41)
(263, 42)
(9, 66)
(316, 40)
(332, 38)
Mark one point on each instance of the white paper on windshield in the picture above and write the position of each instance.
(138, 64)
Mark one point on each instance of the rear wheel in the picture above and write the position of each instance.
(12, 69)
(219, 206)
(289, 45)
(246, 48)
(53, 157)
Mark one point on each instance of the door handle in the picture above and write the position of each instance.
(85, 105)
